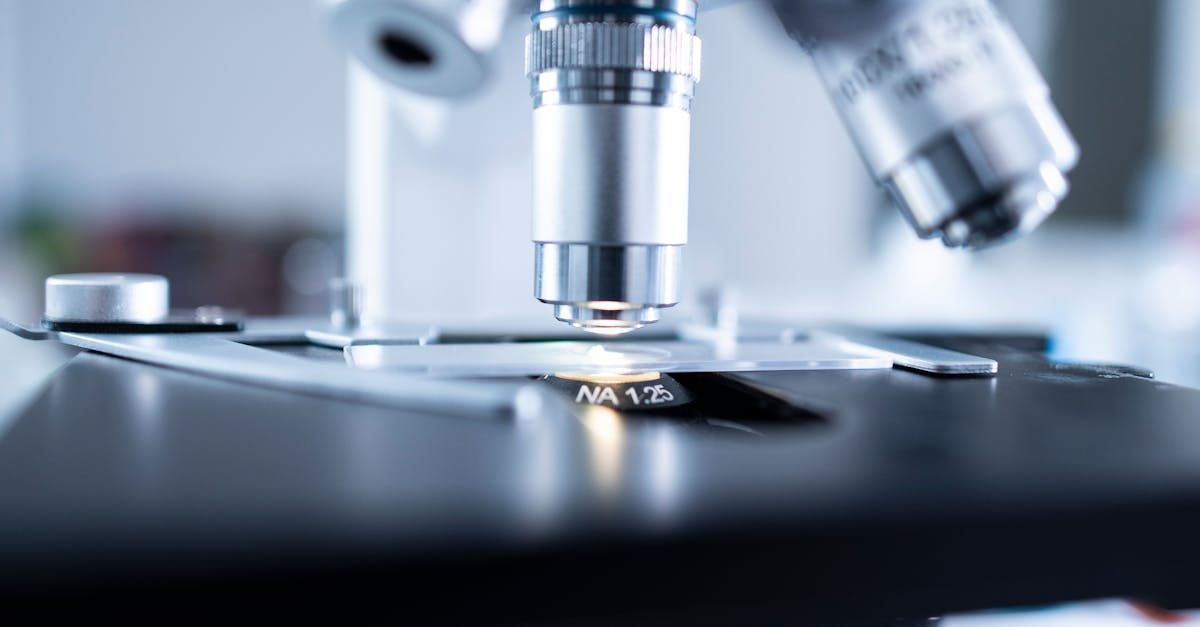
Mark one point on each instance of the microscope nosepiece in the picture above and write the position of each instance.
(947, 108)
(612, 84)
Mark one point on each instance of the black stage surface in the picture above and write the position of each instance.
(884, 494)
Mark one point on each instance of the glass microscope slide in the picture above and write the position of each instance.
(541, 358)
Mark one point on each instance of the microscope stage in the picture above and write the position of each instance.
(764, 497)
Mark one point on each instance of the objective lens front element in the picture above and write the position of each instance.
(608, 290)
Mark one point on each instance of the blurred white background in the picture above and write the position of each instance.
(206, 140)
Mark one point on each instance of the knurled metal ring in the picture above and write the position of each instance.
(614, 45)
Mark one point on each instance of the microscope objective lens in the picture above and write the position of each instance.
(611, 79)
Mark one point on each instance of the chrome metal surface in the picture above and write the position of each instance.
(948, 110)
(606, 321)
(214, 314)
(612, 84)
(649, 47)
(684, 9)
(224, 359)
(432, 47)
(107, 298)
(908, 354)
(317, 331)
(28, 333)
(610, 174)
(607, 288)
(989, 179)
(605, 86)
(345, 302)
(481, 360)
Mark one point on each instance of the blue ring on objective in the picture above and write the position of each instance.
(662, 14)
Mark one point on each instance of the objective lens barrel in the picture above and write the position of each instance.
(947, 108)
(612, 84)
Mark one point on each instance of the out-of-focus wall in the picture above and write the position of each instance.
(9, 127)
(236, 104)
(1178, 103)
(1106, 90)
(781, 204)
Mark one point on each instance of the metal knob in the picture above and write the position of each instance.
(107, 298)
(345, 302)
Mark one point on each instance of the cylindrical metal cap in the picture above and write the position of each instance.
(107, 298)
(607, 289)
(991, 179)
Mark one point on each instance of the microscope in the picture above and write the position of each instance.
(948, 112)
(947, 109)
(724, 470)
